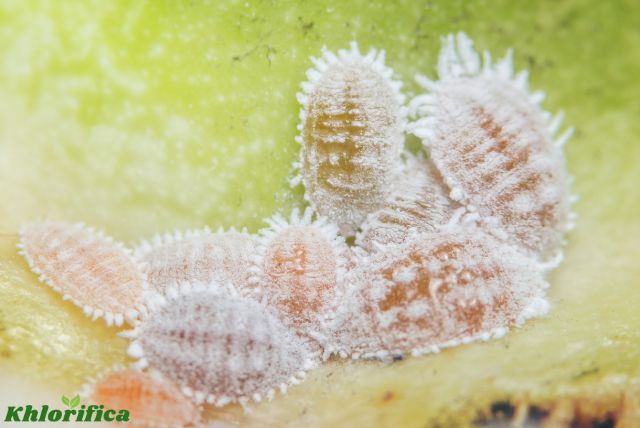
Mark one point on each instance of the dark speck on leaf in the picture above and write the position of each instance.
(502, 410)
(588, 372)
(609, 422)
(536, 414)
(306, 26)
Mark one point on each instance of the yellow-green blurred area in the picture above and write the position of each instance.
(147, 116)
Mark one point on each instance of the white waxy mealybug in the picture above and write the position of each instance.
(419, 202)
(151, 399)
(351, 133)
(198, 256)
(299, 269)
(438, 290)
(92, 270)
(494, 146)
(218, 346)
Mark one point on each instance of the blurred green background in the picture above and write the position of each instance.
(140, 117)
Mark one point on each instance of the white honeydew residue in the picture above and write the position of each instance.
(218, 346)
(299, 269)
(437, 290)
(494, 146)
(419, 202)
(197, 256)
(351, 135)
(93, 271)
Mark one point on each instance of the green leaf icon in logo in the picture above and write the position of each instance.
(74, 401)
(71, 403)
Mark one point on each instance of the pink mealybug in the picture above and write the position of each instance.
(419, 202)
(299, 269)
(351, 135)
(92, 270)
(440, 289)
(150, 398)
(197, 256)
(494, 146)
(218, 346)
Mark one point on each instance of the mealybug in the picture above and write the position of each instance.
(299, 269)
(92, 270)
(439, 289)
(218, 346)
(419, 202)
(494, 146)
(151, 399)
(197, 256)
(351, 135)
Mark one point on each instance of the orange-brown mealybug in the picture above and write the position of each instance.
(439, 289)
(90, 269)
(150, 398)
(299, 270)
(351, 135)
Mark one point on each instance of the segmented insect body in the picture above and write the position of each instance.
(440, 289)
(493, 145)
(352, 124)
(150, 398)
(299, 268)
(200, 256)
(419, 202)
(92, 270)
(218, 346)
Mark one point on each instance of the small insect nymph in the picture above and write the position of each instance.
(151, 399)
(439, 289)
(419, 202)
(197, 256)
(351, 135)
(494, 146)
(218, 346)
(92, 270)
(299, 269)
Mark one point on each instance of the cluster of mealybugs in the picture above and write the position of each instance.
(450, 245)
